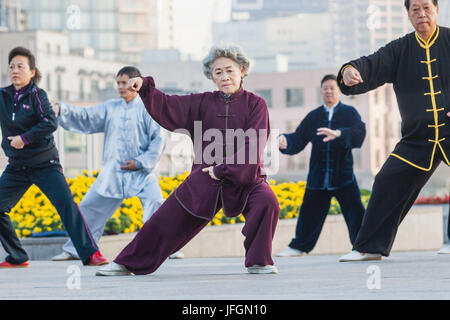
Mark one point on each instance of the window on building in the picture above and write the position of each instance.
(319, 96)
(300, 161)
(94, 90)
(80, 39)
(50, 21)
(74, 142)
(82, 89)
(59, 92)
(378, 158)
(294, 97)
(195, 85)
(266, 94)
(377, 96)
(380, 42)
(49, 82)
(377, 128)
(85, 5)
(128, 20)
(397, 31)
(106, 4)
(357, 159)
(107, 40)
(128, 40)
(105, 21)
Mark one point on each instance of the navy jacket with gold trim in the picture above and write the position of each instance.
(420, 73)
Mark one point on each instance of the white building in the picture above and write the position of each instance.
(117, 30)
(362, 26)
(305, 39)
(12, 18)
(444, 13)
(323, 36)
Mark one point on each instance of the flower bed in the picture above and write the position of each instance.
(35, 214)
(433, 200)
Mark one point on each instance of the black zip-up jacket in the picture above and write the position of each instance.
(331, 163)
(420, 73)
(33, 119)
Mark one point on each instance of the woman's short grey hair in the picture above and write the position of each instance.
(231, 51)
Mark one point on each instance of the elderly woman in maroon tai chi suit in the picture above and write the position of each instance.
(227, 173)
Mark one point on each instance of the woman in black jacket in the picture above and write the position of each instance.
(27, 123)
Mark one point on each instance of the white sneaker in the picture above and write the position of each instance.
(358, 256)
(177, 255)
(113, 269)
(64, 256)
(444, 250)
(290, 252)
(256, 269)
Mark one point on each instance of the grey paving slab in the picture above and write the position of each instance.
(404, 276)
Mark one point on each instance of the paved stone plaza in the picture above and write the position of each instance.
(409, 275)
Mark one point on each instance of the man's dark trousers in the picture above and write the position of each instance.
(314, 210)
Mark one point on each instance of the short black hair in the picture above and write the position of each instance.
(130, 71)
(328, 77)
(21, 51)
(408, 2)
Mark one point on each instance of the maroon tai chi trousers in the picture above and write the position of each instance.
(171, 227)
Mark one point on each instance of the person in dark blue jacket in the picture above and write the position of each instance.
(333, 129)
(27, 122)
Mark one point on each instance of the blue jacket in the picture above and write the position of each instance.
(34, 120)
(331, 163)
(130, 133)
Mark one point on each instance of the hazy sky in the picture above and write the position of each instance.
(193, 24)
(194, 18)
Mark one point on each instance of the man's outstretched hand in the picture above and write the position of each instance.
(351, 76)
(329, 134)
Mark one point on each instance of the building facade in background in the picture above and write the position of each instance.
(289, 36)
(444, 13)
(362, 26)
(292, 45)
(262, 9)
(316, 34)
(116, 30)
(163, 20)
(12, 18)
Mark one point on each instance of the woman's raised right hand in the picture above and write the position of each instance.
(135, 84)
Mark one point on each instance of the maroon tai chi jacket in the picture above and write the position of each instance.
(196, 114)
